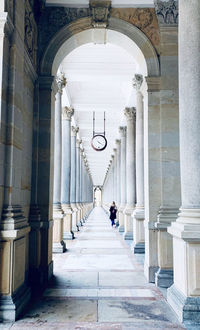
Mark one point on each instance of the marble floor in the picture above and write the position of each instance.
(98, 284)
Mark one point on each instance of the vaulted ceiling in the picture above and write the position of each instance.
(99, 78)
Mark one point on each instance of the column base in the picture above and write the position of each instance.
(186, 308)
(128, 236)
(75, 229)
(59, 247)
(68, 235)
(47, 273)
(139, 248)
(164, 278)
(121, 229)
(149, 272)
(12, 306)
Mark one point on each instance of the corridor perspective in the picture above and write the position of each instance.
(99, 285)
(100, 103)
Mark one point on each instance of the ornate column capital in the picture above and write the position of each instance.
(112, 156)
(130, 113)
(137, 81)
(78, 141)
(118, 142)
(122, 131)
(74, 130)
(61, 82)
(115, 150)
(67, 113)
(167, 12)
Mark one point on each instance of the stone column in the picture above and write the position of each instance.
(66, 171)
(78, 176)
(184, 295)
(14, 227)
(122, 131)
(115, 175)
(58, 214)
(74, 131)
(138, 214)
(118, 187)
(130, 173)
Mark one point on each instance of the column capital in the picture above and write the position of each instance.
(167, 12)
(122, 131)
(67, 113)
(61, 82)
(74, 130)
(118, 142)
(130, 113)
(137, 81)
(112, 156)
(115, 150)
(78, 141)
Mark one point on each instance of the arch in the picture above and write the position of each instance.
(80, 32)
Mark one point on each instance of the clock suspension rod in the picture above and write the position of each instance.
(93, 123)
(104, 123)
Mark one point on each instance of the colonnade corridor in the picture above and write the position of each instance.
(99, 284)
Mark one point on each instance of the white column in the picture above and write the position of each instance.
(122, 131)
(118, 161)
(138, 214)
(115, 175)
(78, 176)
(184, 295)
(74, 131)
(130, 173)
(58, 214)
(66, 171)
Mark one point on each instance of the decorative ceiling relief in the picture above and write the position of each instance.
(100, 11)
(144, 18)
(167, 11)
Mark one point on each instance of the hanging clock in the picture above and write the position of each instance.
(99, 142)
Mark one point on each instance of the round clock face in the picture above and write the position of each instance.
(99, 142)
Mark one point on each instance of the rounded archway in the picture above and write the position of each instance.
(79, 32)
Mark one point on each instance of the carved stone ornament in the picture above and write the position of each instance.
(74, 130)
(122, 130)
(137, 81)
(100, 11)
(130, 113)
(30, 32)
(67, 113)
(61, 82)
(167, 11)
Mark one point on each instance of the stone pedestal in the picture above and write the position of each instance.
(67, 222)
(59, 245)
(138, 230)
(164, 275)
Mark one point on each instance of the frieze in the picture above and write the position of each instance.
(143, 18)
(53, 19)
(167, 11)
(30, 32)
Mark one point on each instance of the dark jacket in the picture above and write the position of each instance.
(113, 211)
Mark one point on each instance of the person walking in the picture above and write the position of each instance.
(113, 212)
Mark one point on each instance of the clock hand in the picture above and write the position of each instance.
(99, 142)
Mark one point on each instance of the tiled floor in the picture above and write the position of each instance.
(99, 284)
